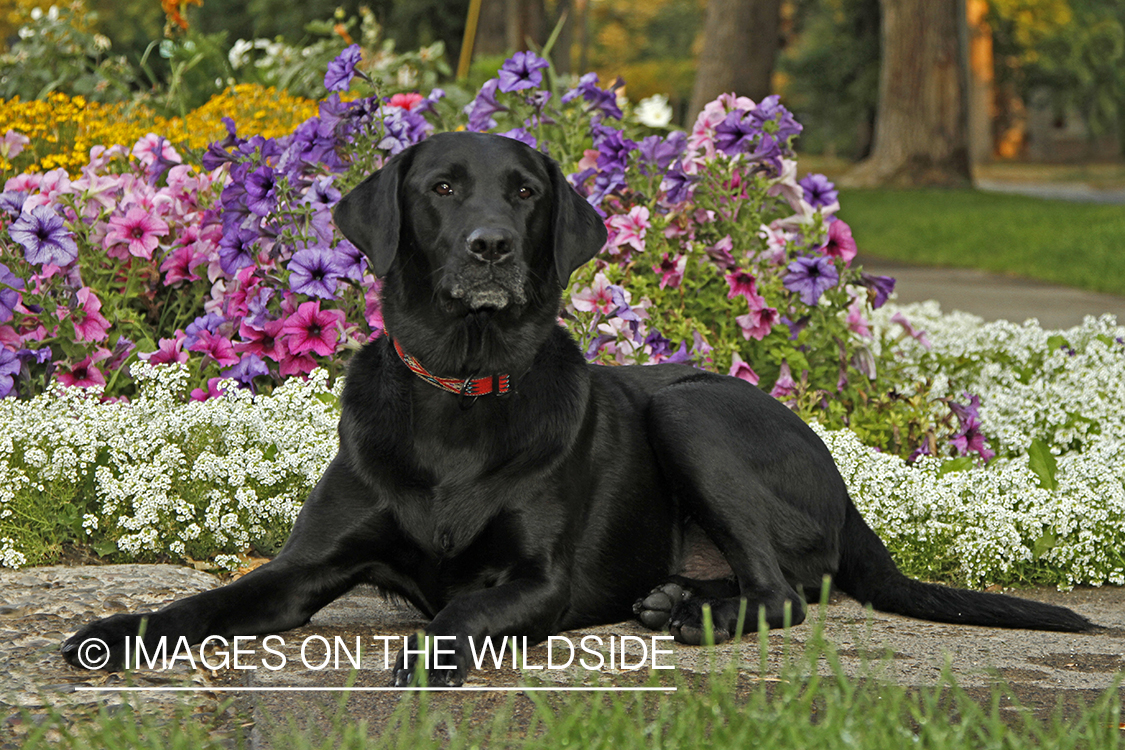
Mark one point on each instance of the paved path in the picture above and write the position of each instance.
(995, 297)
(1062, 191)
(41, 606)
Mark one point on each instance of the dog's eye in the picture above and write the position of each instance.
(526, 192)
(443, 188)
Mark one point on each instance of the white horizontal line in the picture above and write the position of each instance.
(314, 689)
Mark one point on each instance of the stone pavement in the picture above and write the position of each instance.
(995, 297)
(40, 606)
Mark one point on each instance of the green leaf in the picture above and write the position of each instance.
(105, 548)
(1057, 342)
(961, 463)
(1044, 544)
(1042, 462)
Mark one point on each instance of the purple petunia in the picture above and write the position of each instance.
(771, 110)
(9, 367)
(481, 109)
(248, 368)
(322, 195)
(736, 133)
(261, 190)
(818, 190)
(403, 129)
(523, 70)
(341, 70)
(209, 323)
(12, 201)
(970, 439)
(236, 250)
(767, 152)
(44, 237)
(603, 100)
(677, 185)
(613, 148)
(810, 277)
(880, 286)
(659, 346)
(658, 153)
(9, 296)
(315, 271)
(521, 135)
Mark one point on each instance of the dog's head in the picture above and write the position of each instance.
(488, 222)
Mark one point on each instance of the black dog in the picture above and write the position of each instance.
(568, 491)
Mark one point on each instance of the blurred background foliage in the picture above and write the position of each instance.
(1062, 57)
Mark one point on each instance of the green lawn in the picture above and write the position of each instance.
(1075, 244)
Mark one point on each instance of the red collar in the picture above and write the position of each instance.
(470, 386)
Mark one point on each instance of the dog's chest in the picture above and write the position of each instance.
(457, 502)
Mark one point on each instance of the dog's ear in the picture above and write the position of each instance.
(579, 231)
(370, 216)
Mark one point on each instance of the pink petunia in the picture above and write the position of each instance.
(177, 266)
(24, 183)
(784, 385)
(741, 282)
(85, 374)
(671, 270)
(99, 191)
(840, 243)
(761, 319)
(915, 333)
(856, 322)
(213, 391)
(597, 297)
(311, 329)
(265, 341)
(138, 230)
(12, 144)
(218, 348)
(629, 229)
(167, 351)
(777, 243)
(148, 149)
(406, 101)
(301, 364)
(89, 325)
(740, 369)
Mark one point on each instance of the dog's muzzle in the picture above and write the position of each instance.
(490, 274)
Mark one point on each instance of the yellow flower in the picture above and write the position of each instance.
(62, 129)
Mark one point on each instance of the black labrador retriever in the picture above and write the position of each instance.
(569, 494)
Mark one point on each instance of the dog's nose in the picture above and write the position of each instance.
(491, 244)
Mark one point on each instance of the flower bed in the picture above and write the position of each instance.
(227, 265)
(164, 476)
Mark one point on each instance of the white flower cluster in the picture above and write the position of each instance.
(161, 475)
(1065, 389)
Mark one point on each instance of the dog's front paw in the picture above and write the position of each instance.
(655, 610)
(686, 625)
(101, 644)
(443, 664)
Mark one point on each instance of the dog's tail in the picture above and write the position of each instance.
(868, 574)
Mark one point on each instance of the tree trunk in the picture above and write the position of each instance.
(982, 95)
(492, 38)
(740, 43)
(560, 55)
(506, 25)
(921, 125)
